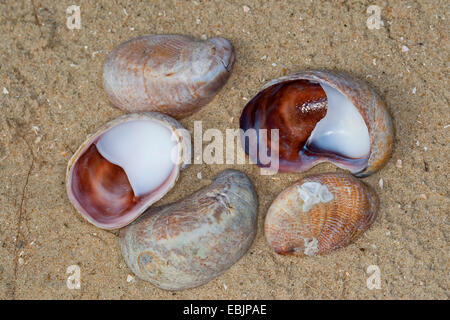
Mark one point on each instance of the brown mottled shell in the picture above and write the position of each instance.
(188, 243)
(173, 74)
(365, 99)
(101, 218)
(326, 226)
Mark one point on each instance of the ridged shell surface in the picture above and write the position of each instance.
(173, 74)
(319, 214)
(192, 241)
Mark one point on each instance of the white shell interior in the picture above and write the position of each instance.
(142, 148)
(342, 130)
(313, 193)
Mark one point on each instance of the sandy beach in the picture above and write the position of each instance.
(52, 98)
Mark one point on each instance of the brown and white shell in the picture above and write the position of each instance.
(371, 107)
(319, 214)
(100, 190)
(190, 242)
(173, 74)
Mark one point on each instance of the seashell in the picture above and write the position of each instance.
(321, 116)
(173, 74)
(190, 242)
(319, 214)
(127, 165)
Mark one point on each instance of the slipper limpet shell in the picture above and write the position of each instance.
(173, 74)
(320, 116)
(127, 165)
(190, 242)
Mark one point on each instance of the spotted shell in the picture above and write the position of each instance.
(173, 74)
(319, 214)
(188, 243)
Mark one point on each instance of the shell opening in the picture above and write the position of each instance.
(143, 149)
(342, 130)
(122, 170)
(316, 122)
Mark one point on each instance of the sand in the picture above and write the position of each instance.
(51, 98)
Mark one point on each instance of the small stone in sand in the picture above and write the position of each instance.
(381, 183)
(399, 164)
(5, 91)
(130, 278)
(199, 175)
(246, 8)
(405, 48)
